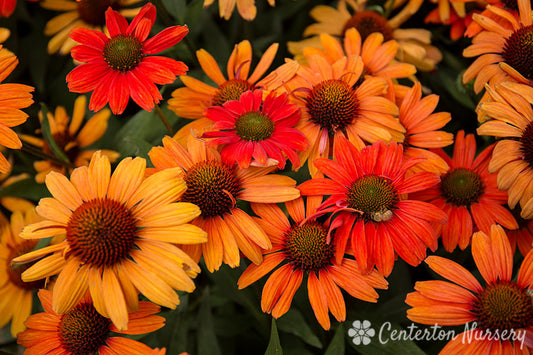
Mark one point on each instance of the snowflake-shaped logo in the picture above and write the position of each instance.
(361, 332)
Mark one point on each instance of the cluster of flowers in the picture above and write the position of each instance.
(347, 109)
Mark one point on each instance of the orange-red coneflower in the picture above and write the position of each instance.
(502, 305)
(368, 205)
(82, 330)
(301, 253)
(468, 194)
(121, 65)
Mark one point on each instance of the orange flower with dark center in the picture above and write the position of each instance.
(368, 22)
(502, 305)
(468, 194)
(302, 246)
(83, 330)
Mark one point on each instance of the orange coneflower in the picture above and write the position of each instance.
(337, 102)
(504, 54)
(377, 55)
(421, 126)
(510, 117)
(414, 45)
(16, 295)
(468, 194)
(301, 249)
(369, 208)
(458, 21)
(523, 236)
(70, 138)
(88, 14)
(13, 97)
(216, 188)
(121, 65)
(502, 305)
(82, 330)
(192, 100)
(246, 8)
(120, 232)
(255, 128)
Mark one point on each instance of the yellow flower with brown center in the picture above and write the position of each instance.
(120, 230)
(16, 295)
(88, 14)
(71, 138)
(414, 45)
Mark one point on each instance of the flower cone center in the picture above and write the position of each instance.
(511, 4)
(503, 305)
(231, 90)
(367, 22)
(83, 330)
(333, 105)
(373, 195)
(101, 232)
(306, 246)
(527, 144)
(93, 11)
(254, 126)
(518, 51)
(14, 272)
(123, 52)
(212, 186)
(462, 186)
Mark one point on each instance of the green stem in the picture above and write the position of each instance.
(164, 120)
(40, 154)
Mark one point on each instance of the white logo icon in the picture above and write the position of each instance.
(361, 332)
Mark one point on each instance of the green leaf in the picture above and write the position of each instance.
(47, 135)
(294, 323)
(176, 8)
(207, 340)
(27, 189)
(337, 345)
(274, 346)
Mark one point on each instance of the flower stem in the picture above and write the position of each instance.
(40, 154)
(164, 120)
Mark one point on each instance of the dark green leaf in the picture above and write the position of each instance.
(27, 189)
(336, 346)
(274, 346)
(207, 340)
(294, 323)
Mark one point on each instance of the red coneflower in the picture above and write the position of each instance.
(120, 66)
(369, 206)
(255, 128)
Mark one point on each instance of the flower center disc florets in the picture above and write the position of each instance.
(254, 126)
(14, 273)
(93, 11)
(462, 186)
(212, 186)
(231, 90)
(333, 105)
(518, 51)
(123, 52)
(66, 143)
(527, 144)
(367, 22)
(373, 195)
(307, 247)
(83, 330)
(101, 232)
(503, 305)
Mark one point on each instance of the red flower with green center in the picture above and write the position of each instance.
(120, 66)
(255, 128)
(368, 203)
